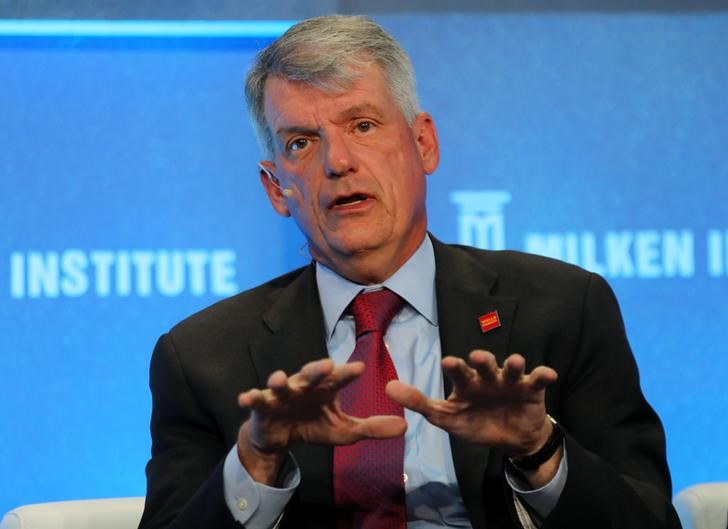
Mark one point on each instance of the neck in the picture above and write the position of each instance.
(370, 267)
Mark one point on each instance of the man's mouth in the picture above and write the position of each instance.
(349, 200)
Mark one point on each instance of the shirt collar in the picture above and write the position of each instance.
(414, 282)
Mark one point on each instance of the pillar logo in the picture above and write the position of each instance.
(123, 273)
(644, 253)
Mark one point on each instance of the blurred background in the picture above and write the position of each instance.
(129, 198)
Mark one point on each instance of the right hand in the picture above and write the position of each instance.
(303, 407)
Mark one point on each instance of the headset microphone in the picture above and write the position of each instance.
(288, 193)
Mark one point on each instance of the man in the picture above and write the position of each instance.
(253, 419)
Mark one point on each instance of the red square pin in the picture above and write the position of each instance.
(489, 321)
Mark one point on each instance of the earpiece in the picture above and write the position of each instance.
(288, 193)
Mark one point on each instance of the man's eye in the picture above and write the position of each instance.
(298, 144)
(364, 126)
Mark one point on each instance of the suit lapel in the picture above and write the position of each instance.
(296, 326)
(464, 289)
(297, 336)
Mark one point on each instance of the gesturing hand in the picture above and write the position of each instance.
(303, 407)
(488, 405)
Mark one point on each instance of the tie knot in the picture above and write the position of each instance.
(374, 310)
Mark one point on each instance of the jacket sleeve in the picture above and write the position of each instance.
(185, 472)
(617, 471)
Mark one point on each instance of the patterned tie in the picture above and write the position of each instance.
(369, 475)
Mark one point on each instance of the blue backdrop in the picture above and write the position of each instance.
(129, 198)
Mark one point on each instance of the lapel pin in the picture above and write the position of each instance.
(489, 321)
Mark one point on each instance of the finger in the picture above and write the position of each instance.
(541, 377)
(311, 374)
(345, 374)
(379, 427)
(485, 364)
(458, 371)
(253, 398)
(278, 383)
(408, 397)
(513, 369)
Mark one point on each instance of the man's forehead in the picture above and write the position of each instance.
(295, 103)
(280, 93)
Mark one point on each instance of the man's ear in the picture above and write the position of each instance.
(272, 187)
(425, 136)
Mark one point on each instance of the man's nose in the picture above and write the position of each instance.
(340, 160)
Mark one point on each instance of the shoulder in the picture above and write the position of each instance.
(514, 270)
(237, 315)
(541, 282)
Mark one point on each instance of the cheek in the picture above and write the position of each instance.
(298, 182)
(409, 197)
(407, 180)
(308, 211)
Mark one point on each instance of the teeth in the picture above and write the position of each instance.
(354, 199)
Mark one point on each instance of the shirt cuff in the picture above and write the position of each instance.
(251, 503)
(541, 500)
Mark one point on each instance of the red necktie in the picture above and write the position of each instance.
(369, 475)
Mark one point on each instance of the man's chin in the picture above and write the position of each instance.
(347, 247)
(357, 243)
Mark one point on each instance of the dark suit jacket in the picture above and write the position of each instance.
(552, 313)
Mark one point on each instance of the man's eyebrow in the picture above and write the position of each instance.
(294, 129)
(362, 109)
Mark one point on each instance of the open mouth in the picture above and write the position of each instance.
(350, 200)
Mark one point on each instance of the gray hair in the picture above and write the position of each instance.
(330, 52)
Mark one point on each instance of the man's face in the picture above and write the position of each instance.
(356, 171)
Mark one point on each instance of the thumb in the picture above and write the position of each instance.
(408, 396)
(378, 427)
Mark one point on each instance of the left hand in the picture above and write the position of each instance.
(489, 405)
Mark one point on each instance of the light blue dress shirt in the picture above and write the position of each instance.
(413, 341)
